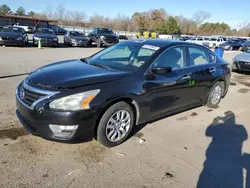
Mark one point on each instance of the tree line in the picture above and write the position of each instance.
(155, 19)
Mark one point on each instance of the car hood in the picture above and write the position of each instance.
(243, 57)
(45, 35)
(107, 35)
(79, 37)
(71, 74)
(10, 34)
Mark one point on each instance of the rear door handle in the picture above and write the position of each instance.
(211, 70)
(186, 77)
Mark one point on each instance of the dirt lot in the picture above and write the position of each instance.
(198, 148)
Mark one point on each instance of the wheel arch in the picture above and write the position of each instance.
(131, 102)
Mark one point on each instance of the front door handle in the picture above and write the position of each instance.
(211, 70)
(187, 77)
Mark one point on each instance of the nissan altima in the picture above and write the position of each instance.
(106, 95)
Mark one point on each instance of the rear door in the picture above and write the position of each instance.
(170, 91)
(204, 68)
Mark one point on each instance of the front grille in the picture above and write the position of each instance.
(244, 65)
(29, 97)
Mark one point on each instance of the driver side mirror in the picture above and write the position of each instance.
(161, 70)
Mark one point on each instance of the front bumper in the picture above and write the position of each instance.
(80, 43)
(109, 42)
(37, 122)
(46, 43)
(241, 66)
(12, 42)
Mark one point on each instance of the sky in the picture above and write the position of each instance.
(229, 11)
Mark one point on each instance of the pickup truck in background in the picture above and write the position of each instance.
(102, 36)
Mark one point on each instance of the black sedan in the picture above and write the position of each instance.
(105, 95)
(46, 36)
(13, 36)
(241, 62)
(75, 38)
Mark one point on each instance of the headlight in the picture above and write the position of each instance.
(19, 38)
(55, 39)
(73, 40)
(1, 39)
(103, 37)
(36, 38)
(79, 101)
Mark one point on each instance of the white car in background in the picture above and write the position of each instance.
(27, 29)
(199, 40)
(215, 42)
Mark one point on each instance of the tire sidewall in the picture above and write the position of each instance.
(101, 131)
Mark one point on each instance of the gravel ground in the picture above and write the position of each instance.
(197, 148)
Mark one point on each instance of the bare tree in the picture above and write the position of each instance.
(201, 16)
(49, 12)
(60, 12)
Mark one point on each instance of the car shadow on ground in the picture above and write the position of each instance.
(225, 161)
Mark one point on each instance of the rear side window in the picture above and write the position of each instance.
(197, 56)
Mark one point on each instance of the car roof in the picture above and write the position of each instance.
(159, 42)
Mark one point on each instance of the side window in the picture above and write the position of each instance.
(173, 58)
(197, 56)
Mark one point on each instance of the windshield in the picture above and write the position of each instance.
(213, 39)
(124, 56)
(12, 29)
(105, 30)
(75, 34)
(47, 31)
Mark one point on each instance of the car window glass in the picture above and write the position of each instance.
(173, 58)
(197, 56)
(117, 53)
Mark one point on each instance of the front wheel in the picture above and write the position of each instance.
(99, 43)
(215, 95)
(115, 124)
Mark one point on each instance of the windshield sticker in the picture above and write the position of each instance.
(151, 47)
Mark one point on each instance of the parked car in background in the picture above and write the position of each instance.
(57, 29)
(122, 37)
(47, 37)
(106, 95)
(216, 42)
(13, 36)
(245, 46)
(27, 29)
(232, 45)
(241, 62)
(103, 37)
(199, 40)
(75, 38)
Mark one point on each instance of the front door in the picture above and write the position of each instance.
(170, 91)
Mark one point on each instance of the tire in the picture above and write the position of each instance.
(99, 43)
(240, 49)
(108, 119)
(213, 100)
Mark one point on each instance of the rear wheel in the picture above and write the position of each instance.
(215, 95)
(115, 124)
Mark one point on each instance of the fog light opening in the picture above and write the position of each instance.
(63, 131)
